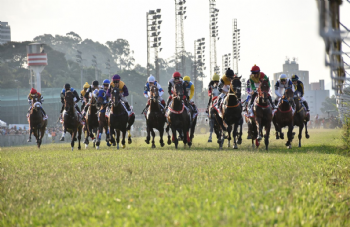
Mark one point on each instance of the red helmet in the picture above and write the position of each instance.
(33, 91)
(255, 69)
(176, 75)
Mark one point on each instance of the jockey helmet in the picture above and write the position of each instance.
(216, 77)
(295, 78)
(151, 79)
(67, 87)
(116, 77)
(229, 73)
(95, 83)
(176, 75)
(106, 81)
(187, 78)
(33, 91)
(86, 85)
(283, 77)
(255, 69)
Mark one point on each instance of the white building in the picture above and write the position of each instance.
(5, 33)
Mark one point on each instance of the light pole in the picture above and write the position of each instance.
(236, 45)
(94, 64)
(80, 61)
(226, 62)
(153, 39)
(180, 11)
(199, 61)
(214, 36)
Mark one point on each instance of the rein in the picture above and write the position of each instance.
(290, 109)
(177, 112)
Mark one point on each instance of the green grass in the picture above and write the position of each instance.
(201, 186)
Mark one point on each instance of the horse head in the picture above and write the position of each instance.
(289, 95)
(100, 98)
(115, 96)
(235, 86)
(215, 90)
(263, 90)
(178, 91)
(69, 101)
(154, 94)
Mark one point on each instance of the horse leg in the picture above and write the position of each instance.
(306, 132)
(30, 135)
(267, 136)
(153, 135)
(38, 137)
(234, 134)
(107, 135)
(211, 128)
(129, 137)
(72, 138)
(79, 137)
(86, 133)
(259, 128)
(161, 132)
(111, 135)
(289, 136)
(240, 131)
(300, 133)
(118, 137)
(229, 130)
(167, 131)
(148, 137)
(174, 139)
(123, 139)
(130, 123)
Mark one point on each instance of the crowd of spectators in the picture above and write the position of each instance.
(51, 131)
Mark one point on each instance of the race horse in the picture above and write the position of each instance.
(101, 104)
(178, 117)
(284, 117)
(118, 120)
(155, 118)
(215, 124)
(71, 121)
(301, 118)
(37, 124)
(91, 120)
(262, 114)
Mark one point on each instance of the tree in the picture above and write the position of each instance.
(330, 104)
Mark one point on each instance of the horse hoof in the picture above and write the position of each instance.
(62, 139)
(282, 136)
(209, 141)
(97, 147)
(307, 136)
(86, 146)
(249, 137)
(153, 146)
(118, 146)
(75, 139)
(29, 140)
(72, 148)
(239, 141)
(169, 142)
(277, 137)
(114, 144)
(147, 141)
(129, 141)
(289, 147)
(259, 138)
(94, 140)
(235, 146)
(123, 146)
(108, 144)
(162, 144)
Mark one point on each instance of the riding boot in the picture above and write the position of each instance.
(145, 109)
(168, 102)
(271, 102)
(43, 113)
(253, 98)
(306, 105)
(127, 106)
(207, 111)
(85, 109)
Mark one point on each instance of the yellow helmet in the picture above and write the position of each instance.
(86, 85)
(187, 78)
(216, 77)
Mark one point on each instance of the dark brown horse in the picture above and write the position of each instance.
(102, 119)
(263, 113)
(284, 117)
(91, 121)
(232, 112)
(213, 124)
(155, 118)
(178, 118)
(70, 119)
(36, 123)
(301, 117)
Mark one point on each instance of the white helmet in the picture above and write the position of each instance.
(151, 79)
(283, 77)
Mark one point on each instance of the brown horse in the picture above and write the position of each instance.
(301, 118)
(91, 121)
(284, 116)
(70, 119)
(178, 118)
(263, 113)
(36, 123)
(102, 119)
(154, 117)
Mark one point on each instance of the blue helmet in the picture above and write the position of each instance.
(106, 81)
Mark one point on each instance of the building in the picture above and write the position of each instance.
(5, 33)
(315, 93)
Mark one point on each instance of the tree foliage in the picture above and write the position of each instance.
(330, 104)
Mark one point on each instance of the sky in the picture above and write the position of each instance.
(271, 30)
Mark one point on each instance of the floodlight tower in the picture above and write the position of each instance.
(199, 61)
(153, 38)
(180, 11)
(214, 36)
(226, 62)
(236, 45)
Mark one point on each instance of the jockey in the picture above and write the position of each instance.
(224, 84)
(282, 83)
(116, 82)
(299, 87)
(67, 87)
(176, 79)
(88, 93)
(190, 92)
(82, 94)
(150, 82)
(213, 83)
(249, 90)
(255, 78)
(105, 84)
(32, 94)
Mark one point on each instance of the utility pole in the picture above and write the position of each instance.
(236, 45)
(180, 11)
(214, 36)
(94, 64)
(80, 61)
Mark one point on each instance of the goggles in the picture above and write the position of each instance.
(283, 80)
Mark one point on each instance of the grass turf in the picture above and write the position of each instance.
(201, 186)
